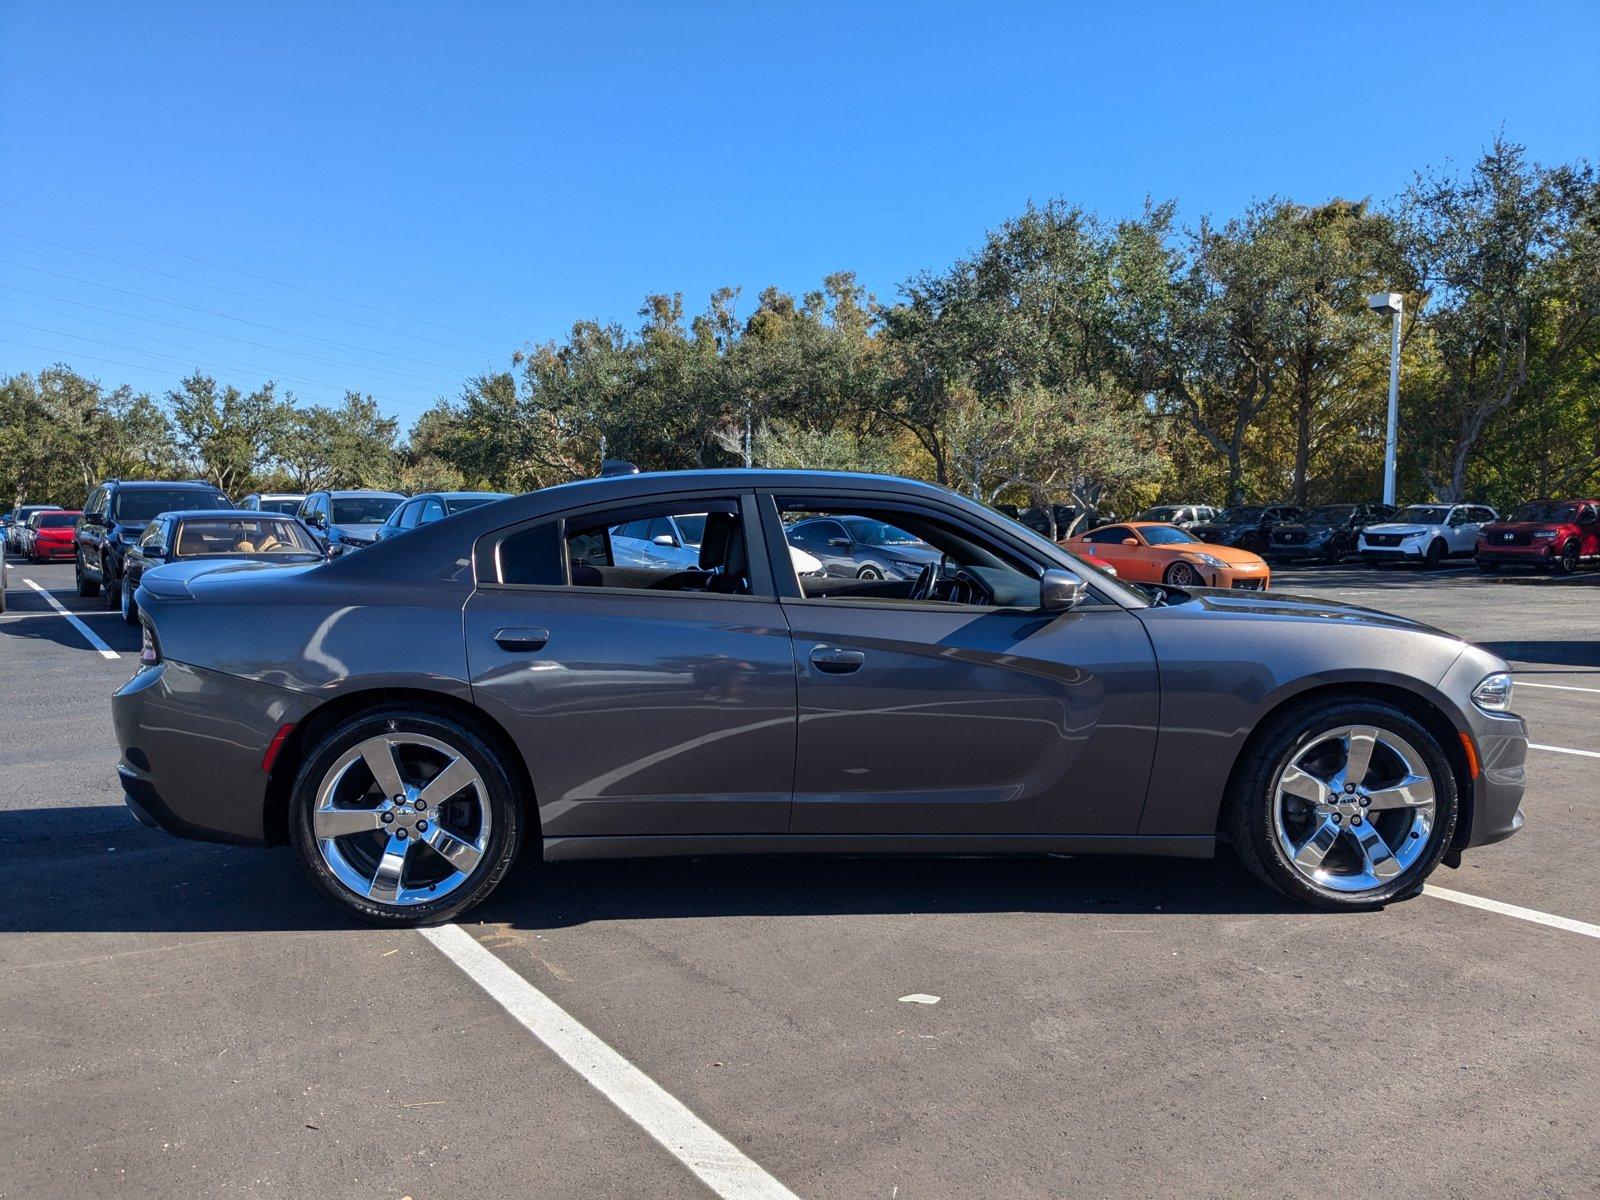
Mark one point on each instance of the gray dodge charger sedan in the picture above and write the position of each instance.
(408, 717)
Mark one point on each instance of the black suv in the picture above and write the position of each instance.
(114, 516)
(1328, 533)
(1246, 526)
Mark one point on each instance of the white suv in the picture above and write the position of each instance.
(1425, 533)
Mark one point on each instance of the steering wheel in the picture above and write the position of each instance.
(922, 589)
(976, 590)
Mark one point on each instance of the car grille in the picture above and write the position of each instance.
(1290, 537)
(1510, 537)
(1383, 539)
(1248, 585)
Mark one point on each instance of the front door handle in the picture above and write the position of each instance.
(835, 661)
(521, 639)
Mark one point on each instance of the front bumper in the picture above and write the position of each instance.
(1302, 551)
(1538, 555)
(1237, 578)
(1415, 552)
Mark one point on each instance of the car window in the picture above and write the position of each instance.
(925, 558)
(432, 510)
(407, 518)
(460, 504)
(138, 505)
(1483, 514)
(363, 510)
(1169, 535)
(1110, 535)
(273, 536)
(57, 520)
(151, 535)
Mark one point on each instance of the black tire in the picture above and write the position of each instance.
(1249, 813)
(1182, 575)
(110, 586)
(1566, 563)
(1489, 568)
(87, 587)
(504, 841)
(869, 572)
(130, 606)
(1435, 555)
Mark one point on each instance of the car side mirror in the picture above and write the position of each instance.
(664, 539)
(318, 520)
(1130, 541)
(155, 550)
(842, 543)
(1060, 591)
(94, 519)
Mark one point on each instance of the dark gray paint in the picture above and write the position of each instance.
(687, 721)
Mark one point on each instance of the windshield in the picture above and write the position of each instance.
(693, 528)
(1165, 513)
(877, 533)
(1239, 516)
(1547, 510)
(1330, 514)
(363, 510)
(1422, 514)
(271, 536)
(288, 507)
(1166, 535)
(55, 520)
(458, 504)
(145, 504)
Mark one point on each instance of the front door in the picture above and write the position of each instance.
(646, 700)
(939, 717)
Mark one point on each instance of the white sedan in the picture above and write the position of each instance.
(1425, 533)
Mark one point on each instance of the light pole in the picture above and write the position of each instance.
(1390, 302)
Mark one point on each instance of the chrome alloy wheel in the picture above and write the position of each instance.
(1353, 808)
(402, 818)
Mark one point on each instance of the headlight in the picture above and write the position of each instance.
(1413, 537)
(1211, 560)
(1494, 693)
(1544, 535)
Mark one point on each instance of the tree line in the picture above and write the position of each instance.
(1069, 358)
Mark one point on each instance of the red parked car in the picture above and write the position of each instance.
(1551, 535)
(49, 535)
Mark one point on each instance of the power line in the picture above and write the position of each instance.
(251, 275)
(396, 376)
(154, 297)
(254, 299)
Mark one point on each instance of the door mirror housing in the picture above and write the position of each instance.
(841, 543)
(318, 520)
(1130, 541)
(94, 518)
(1060, 590)
(664, 539)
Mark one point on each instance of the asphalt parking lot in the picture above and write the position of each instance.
(185, 1019)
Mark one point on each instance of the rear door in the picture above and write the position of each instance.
(646, 701)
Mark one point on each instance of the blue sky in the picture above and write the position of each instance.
(392, 197)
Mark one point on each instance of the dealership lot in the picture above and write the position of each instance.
(191, 1019)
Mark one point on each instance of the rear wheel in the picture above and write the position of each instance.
(86, 586)
(405, 817)
(111, 585)
(130, 606)
(1344, 805)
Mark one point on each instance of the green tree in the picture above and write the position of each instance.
(224, 434)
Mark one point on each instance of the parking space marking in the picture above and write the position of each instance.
(714, 1160)
(1512, 910)
(1556, 687)
(89, 635)
(1564, 750)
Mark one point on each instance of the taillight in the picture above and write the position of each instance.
(149, 651)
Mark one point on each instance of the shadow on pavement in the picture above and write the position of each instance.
(92, 869)
(1570, 654)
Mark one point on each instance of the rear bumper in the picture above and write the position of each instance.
(52, 550)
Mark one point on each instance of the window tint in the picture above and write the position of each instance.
(432, 510)
(533, 556)
(363, 510)
(616, 548)
(407, 517)
(265, 535)
(1111, 535)
(54, 520)
(140, 505)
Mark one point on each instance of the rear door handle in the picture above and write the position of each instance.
(836, 661)
(521, 639)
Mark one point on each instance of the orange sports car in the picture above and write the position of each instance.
(1155, 552)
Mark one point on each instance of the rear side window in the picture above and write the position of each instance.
(533, 557)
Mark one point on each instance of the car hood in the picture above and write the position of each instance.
(1528, 526)
(1231, 555)
(1305, 530)
(908, 554)
(357, 533)
(1400, 529)
(1276, 606)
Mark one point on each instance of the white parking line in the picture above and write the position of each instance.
(1556, 687)
(717, 1162)
(89, 635)
(1564, 750)
(1512, 910)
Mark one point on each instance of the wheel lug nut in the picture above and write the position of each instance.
(422, 826)
(1349, 787)
(422, 805)
(1366, 802)
(400, 833)
(1356, 820)
(387, 818)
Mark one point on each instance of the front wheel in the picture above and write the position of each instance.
(130, 606)
(405, 817)
(1567, 562)
(1434, 556)
(869, 572)
(1182, 575)
(1344, 805)
(87, 587)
